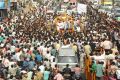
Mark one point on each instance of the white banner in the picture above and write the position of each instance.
(81, 8)
(66, 0)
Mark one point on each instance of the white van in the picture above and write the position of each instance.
(66, 56)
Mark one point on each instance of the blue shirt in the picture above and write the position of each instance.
(31, 65)
(38, 57)
(25, 63)
(46, 75)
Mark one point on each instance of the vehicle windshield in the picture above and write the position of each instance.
(67, 59)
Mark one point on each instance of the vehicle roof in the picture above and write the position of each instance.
(66, 52)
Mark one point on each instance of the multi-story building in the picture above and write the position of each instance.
(4, 7)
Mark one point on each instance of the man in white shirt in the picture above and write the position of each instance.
(52, 60)
(42, 68)
(17, 55)
(5, 61)
(13, 70)
(41, 47)
(107, 45)
(12, 48)
(44, 51)
(118, 74)
(29, 74)
(47, 55)
(57, 46)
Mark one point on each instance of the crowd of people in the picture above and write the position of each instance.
(28, 48)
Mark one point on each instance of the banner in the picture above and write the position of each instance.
(81, 8)
(66, 0)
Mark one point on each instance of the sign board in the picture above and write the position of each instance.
(81, 8)
(2, 5)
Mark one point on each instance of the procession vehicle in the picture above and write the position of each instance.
(66, 56)
(64, 22)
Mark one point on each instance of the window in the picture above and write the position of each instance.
(3, 12)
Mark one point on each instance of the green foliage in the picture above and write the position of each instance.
(40, 1)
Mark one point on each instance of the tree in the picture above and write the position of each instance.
(41, 2)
